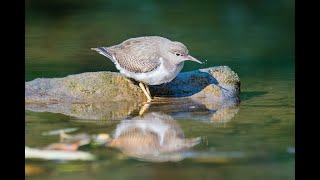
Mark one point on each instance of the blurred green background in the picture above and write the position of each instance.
(243, 34)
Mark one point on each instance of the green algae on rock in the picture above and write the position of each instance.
(84, 88)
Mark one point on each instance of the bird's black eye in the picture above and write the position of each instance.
(178, 54)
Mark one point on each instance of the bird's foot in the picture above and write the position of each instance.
(145, 91)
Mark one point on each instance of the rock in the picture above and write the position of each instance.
(85, 87)
(215, 82)
(210, 94)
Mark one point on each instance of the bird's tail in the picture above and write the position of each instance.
(104, 51)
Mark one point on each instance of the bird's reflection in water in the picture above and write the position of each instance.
(152, 137)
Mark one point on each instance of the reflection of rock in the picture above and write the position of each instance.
(153, 137)
(197, 109)
(89, 88)
(224, 114)
(96, 111)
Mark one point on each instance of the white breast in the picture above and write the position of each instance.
(158, 76)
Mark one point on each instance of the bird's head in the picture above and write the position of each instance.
(178, 53)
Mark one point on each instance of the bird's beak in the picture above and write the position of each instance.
(189, 57)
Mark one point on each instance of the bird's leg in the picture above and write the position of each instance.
(145, 91)
(147, 88)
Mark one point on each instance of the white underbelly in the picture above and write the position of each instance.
(158, 76)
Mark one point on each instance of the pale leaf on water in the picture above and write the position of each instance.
(57, 154)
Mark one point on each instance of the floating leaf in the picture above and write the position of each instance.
(57, 154)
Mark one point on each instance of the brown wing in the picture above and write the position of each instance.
(137, 55)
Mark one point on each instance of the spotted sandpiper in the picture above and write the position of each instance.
(150, 60)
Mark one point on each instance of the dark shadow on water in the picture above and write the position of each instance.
(251, 94)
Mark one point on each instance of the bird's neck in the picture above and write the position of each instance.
(172, 67)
